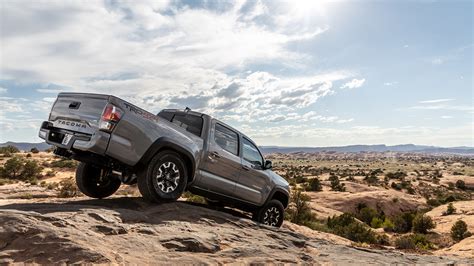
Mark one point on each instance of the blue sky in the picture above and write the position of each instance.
(295, 73)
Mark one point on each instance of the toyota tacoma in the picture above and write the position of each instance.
(166, 154)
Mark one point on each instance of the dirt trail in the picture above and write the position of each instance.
(128, 230)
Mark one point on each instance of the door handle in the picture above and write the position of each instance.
(246, 168)
(215, 154)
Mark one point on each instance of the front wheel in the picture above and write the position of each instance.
(164, 179)
(271, 214)
(96, 182)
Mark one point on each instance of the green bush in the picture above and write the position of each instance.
(31, 170)
(347, 226)
(461, 184)
(13, 167)
(388, 225)
(299, 211)
(450, 209)
(9, 150)
(459, 231)
(413, 242)
(367, 214)
(403, 223)
(190, 197)
(422, 223)
(336, 185)
(68, 188)
(397, 175)
(314, 185)
(64, 163)
(376, 222)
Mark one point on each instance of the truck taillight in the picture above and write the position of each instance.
(110, 117)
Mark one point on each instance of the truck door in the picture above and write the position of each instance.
(253, 182)
(221, 165)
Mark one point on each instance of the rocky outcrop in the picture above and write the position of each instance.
(128, 230)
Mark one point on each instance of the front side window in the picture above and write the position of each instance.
(251, 153)
(226, 139)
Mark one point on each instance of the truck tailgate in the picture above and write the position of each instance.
(78, 112)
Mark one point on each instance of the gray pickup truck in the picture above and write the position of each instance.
(166, 154)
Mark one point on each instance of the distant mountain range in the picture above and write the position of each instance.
(372, 148)
(25, 146)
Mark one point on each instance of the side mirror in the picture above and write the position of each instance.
(268, 164)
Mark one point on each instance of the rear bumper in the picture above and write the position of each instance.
(96, 143)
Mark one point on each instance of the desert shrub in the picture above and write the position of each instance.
(190, 197)
(397, 175)
(376, 222)
(412, 242)
(9, 149)
(336, 185)
(300, 179)
(396, 186)
(371, 179)
(34, 150)
(347, 226)
(29, 155)
(367, 214)
(450, 209)
(299, 211)
(451, 185)
(422, 223)
(461, 184)
(459, 231)
(68, 188)
(457, 173)
(403, 223)
(50, 173)
(13, 167)
(31, 170)
(314, 185)
(64, 163)
(388, 225)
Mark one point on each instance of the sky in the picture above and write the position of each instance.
(295, 73)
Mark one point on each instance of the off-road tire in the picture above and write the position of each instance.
(89, 182)
(149, 180)
(269, 209)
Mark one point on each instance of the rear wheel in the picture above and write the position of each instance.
(271, 214)
(164, 179)
(96, 182)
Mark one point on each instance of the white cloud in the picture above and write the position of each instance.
(355, 83)
(446, 116)
(3, 90)
(436, 101)
(392, 83)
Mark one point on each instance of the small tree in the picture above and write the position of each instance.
(299, 211)
(422, 223)
(34, 150)
(336, 185)
(314, 185)
(459, 231)
(450, 209)
(31, 170)
(13, 167)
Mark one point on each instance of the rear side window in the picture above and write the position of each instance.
(192, 123)
(166, 115)
(227, 139)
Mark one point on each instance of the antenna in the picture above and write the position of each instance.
(187, 109)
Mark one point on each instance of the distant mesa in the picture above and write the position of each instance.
(42, 146)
